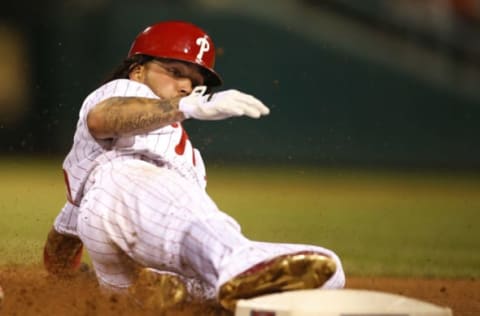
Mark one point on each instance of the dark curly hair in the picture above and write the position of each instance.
(123, 70)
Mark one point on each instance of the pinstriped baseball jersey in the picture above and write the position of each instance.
(168, 146)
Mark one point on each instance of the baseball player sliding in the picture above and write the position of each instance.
(136, 186)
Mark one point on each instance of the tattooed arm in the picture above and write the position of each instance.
(127, 116)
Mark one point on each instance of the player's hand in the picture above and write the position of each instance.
(221, 105)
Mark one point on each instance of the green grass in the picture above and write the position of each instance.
(31, 193)
(380, 223)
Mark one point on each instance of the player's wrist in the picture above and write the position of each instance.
(186, 107)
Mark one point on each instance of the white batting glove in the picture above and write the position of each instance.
(221, 105)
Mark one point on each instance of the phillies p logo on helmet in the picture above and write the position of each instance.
(204, 47)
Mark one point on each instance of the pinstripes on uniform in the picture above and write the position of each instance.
(153, 216)
(141, 200)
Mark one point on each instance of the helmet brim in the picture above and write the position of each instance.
(212, 79)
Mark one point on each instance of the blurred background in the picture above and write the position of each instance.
(350, 83)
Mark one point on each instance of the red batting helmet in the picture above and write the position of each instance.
(180, 41)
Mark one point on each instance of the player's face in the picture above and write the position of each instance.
(168, 79)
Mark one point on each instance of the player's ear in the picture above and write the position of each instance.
(137, 73)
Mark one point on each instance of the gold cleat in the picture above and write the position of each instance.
(158, 291)
(304, 270)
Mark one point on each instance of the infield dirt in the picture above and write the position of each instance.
(30, 291)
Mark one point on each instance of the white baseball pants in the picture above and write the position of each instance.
(135, 213)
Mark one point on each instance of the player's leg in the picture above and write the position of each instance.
(155, 217)
(115, 270)
(160, 221)
(120, 231)
(240, 268)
